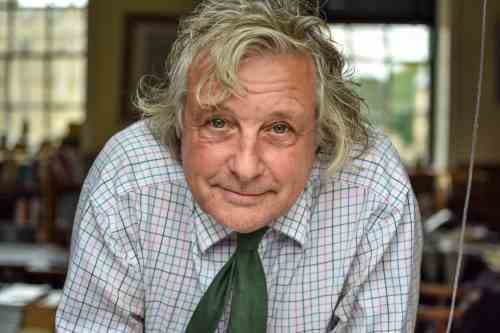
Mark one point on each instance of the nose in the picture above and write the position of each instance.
(246, 163)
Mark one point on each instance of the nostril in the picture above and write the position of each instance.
(246, 166)
(246, 163)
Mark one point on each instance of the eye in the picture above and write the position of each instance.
(281, 134)
(280, 128)
(217, 123)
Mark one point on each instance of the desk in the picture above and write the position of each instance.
(28, 308)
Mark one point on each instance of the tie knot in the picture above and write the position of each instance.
(250, 242)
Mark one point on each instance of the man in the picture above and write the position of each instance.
(252, 198)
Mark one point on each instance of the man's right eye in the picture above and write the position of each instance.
(217, 123)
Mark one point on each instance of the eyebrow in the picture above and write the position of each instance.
(215, 108)
(282, 112)
(287, 115)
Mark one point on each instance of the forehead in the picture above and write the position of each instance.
(294, 70)
(255, 74)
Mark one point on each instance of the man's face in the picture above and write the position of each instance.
(248, 160)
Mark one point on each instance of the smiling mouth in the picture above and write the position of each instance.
(244, 194)
(242, 198)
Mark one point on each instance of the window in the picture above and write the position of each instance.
(42, 69)
(392, 64)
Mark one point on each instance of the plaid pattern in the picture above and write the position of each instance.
(345, 258)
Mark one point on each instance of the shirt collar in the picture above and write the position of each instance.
(295, 224)
(208, 232)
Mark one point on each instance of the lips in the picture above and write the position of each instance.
(254, 194)
(249, 198)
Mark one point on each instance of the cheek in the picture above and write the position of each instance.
(292, 168)
(201, 158)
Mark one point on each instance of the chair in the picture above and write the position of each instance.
(435, 311)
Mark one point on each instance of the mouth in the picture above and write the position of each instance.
(245, 194)
(238, 198)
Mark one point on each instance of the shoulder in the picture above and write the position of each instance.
(130, 160)
(378, 169)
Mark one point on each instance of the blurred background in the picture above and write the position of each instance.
(68, 70)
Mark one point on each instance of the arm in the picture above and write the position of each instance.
(385, 276)
(103, 291)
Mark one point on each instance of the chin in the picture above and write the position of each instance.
(247, 228)
(242, 221)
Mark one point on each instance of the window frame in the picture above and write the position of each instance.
(350, 17)
(49, 57)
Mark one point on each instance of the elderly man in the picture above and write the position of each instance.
(252, 198)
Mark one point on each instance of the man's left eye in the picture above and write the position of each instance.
(217, 123)
(280, 128)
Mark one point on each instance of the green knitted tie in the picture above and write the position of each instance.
(244, 275)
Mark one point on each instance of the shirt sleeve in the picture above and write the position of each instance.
(103, 290)
(385, 277)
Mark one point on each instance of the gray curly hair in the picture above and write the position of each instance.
(226, 32)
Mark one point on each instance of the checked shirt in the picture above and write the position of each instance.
(345, 258)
